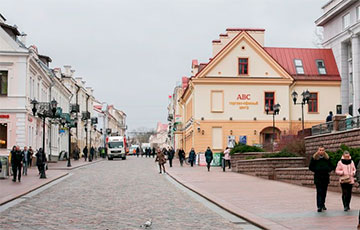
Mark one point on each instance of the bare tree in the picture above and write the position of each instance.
(141, 135)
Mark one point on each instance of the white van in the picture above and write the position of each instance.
(116, 147)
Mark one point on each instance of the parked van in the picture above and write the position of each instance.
(116, 147)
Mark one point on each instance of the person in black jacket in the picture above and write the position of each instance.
(40, 162)
(192, 157)
(181, 156)
(85, 151)
(171, 154)
(17, 157)
(321, 166)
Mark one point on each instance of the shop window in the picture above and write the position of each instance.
(321, 67)
(313, 103)
(3, 135)
(346, 20)
(269, 100)
(243, 66)
(299, 66)
(3, 83)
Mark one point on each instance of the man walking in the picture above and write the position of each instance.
(170, 156)
(26, 160)
(192, 157)
(92, 153)
(181, 156)
(137, 151)
(40, 162)
(85, 151)
(16, 161)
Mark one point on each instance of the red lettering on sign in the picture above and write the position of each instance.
(5, 116)
(243, 97)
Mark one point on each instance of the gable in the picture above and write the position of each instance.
(261, 64)
(8, 44)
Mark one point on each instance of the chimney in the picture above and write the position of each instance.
(67, 71)
(57, 72)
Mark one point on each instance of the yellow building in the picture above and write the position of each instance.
(228, 95)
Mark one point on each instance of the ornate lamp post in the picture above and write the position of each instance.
(275, 111)
(44, 110)
(305, 100)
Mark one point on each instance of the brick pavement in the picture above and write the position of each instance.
(113, 195)
(10, 190)
(273, 204)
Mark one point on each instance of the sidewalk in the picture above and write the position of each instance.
(10, 190)
(270, 204)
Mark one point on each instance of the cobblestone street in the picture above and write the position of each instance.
(113, 195)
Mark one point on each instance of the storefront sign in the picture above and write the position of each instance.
(243, 101)
(231, 141)
(4, 116)
(202, 159)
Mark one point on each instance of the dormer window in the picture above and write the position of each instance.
(321, 67)
(299, 66)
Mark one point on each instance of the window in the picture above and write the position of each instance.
(346, 21)
(243, 66)
(217, 138)
(358, 13)
(299, 66)
(217, 101)
(321, 67)
(313, 103)
(3, 83)
(3, 135)
(269, 100)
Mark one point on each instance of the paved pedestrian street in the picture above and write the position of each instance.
(113, 195)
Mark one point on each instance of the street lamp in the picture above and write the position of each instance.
(275, 111)
(305, 100)
(47, 109)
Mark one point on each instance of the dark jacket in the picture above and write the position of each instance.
(208, 155)
(321, 168)
(171, 154)
(181, 154)
(192, 155)
(92, 150)
(27, 157)
(16, 157)
(40, 158)
(85, 151)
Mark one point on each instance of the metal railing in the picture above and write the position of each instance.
(323, 128)
(349, 123)
(342, 125)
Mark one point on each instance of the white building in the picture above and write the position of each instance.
(341, 24)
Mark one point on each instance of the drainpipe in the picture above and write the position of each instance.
(50, 124)
(77, 113)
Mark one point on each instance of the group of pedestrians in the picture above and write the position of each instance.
(148, 152)
(321, 165)
(21, 160)
(86, 153)
(192, 157)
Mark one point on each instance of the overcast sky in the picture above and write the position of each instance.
(133, 52)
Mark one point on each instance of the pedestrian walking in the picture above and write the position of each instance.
(227, 158)
(321, 166)
(329, 117)
(92, 153)
(192, 157)
(16, 162)
(137, 151)
(25, 160)
(31, 153)
(171, 154)
(346, 170)
(160, 158)
(181, 154)
(209, 157)
(85, 152)
(40, 162)
(153, 152)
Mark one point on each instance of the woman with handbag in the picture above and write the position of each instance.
(160, 158)
(346, 170)
(321, 166)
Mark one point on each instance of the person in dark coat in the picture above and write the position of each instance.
(31, 153)
(160, 158)
(92, 153)
(181, 156)
(85, 151)
(137, 151)
(16, 161)
(208, 157)
(153, 152)
(40, 162)
(171, 154)
(192, 157)
(321, 166)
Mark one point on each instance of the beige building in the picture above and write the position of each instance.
(226, 98)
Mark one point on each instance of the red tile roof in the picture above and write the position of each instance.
(285, 57)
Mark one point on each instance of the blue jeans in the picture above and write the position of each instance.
(26, 165)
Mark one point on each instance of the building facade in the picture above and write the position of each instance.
(226, 99)
(341, 26)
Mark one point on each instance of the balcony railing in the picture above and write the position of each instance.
(337, 125)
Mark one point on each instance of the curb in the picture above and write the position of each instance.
(33, 189)
(71, 168)
(251, 218)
